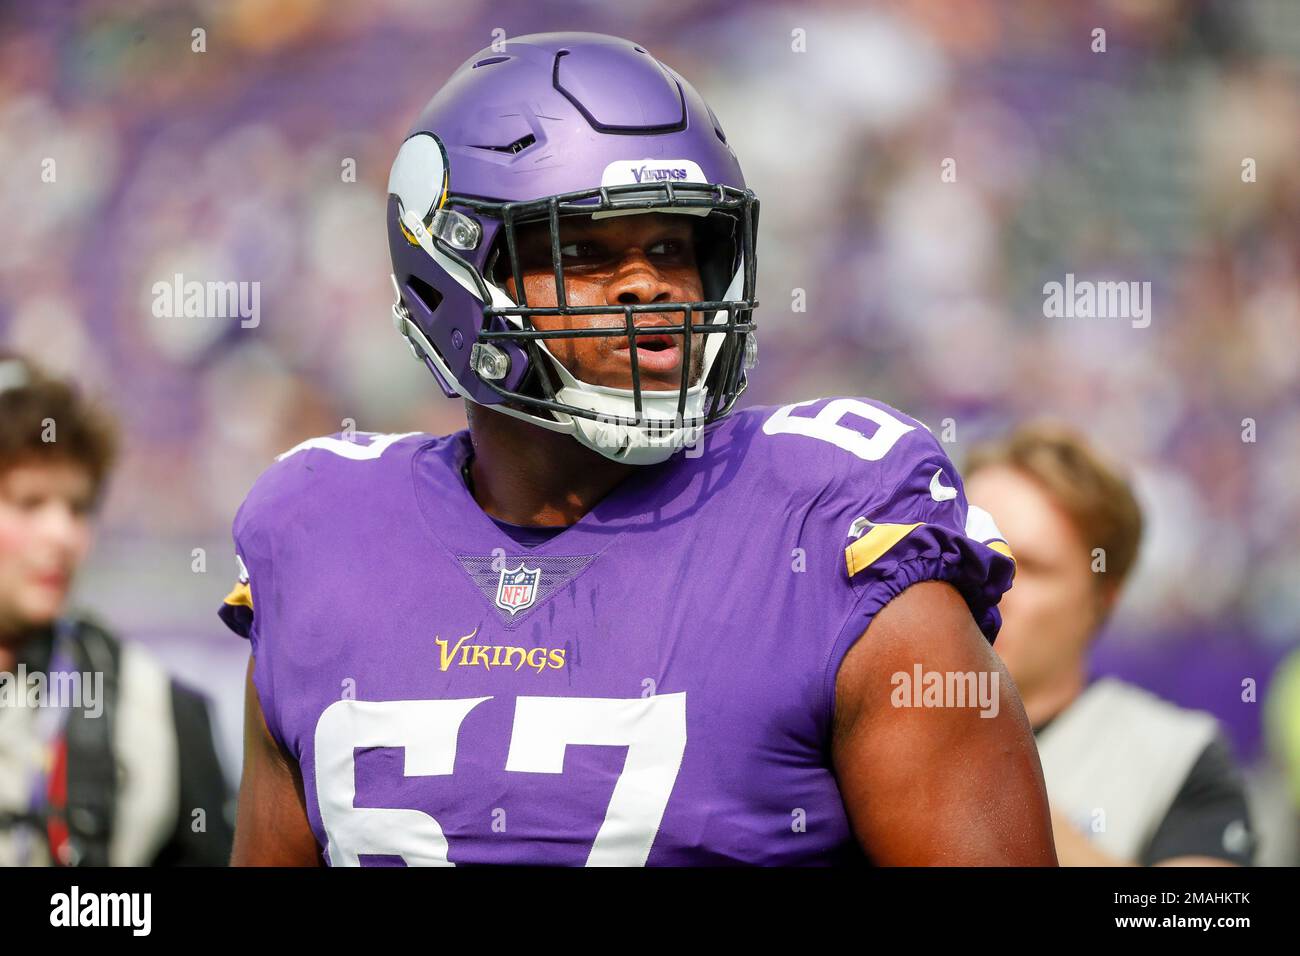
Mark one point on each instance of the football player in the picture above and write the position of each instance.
(615, 621)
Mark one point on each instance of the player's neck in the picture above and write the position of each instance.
(526, 475)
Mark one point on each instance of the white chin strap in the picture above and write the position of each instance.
(630, 444)
(635, 445)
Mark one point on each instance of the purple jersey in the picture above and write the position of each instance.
(655, 684)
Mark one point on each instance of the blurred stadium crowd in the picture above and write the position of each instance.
(233, 164)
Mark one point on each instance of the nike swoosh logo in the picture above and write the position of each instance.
(940, 491)
(860, 524)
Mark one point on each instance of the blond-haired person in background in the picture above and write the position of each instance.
(1133, 780)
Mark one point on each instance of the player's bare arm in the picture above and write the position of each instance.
(271, 828)
(936, 785)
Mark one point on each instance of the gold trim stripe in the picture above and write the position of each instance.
(867, 550)
(1001, 547)
(241, 595)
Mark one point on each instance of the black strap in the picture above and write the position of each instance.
(92, 763)
(10, 819)
(202, 785)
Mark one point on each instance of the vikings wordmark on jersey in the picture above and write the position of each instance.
(655, 684)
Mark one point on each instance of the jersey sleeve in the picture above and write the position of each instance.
(253, 532)
(914, 524)
(251, 589)
(923, 529)
(275, 501)
(278, 496)
(237, 607)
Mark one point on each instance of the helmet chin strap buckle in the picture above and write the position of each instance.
(402, 321)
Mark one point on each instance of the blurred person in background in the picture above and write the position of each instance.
(104, 760)
(1282, 732)
(1133, 780)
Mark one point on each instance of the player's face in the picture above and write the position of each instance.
(626, 260)
(44, 536)
(1049, 614)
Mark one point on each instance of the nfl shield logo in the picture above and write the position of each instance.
(517, 589)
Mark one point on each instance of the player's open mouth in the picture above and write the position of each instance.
(656, 353)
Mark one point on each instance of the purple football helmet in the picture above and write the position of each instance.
(550, 126)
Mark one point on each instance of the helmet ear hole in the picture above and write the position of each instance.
(496, 269)
(430, 297)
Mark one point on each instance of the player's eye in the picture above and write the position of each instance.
(582, 250)
(671, 249)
